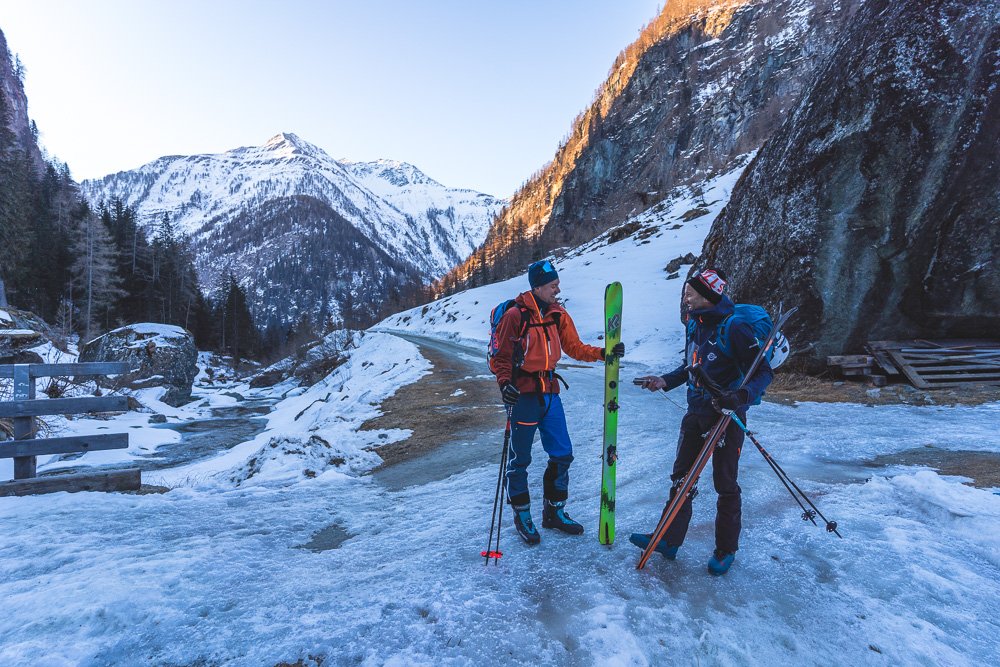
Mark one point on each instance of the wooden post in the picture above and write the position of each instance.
(25, 467)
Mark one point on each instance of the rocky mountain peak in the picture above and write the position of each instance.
(305, 232)
(289, 144)
(706, 83)
(399, 174)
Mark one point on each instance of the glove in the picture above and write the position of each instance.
(617, 351)
(510, 393)
(733, 400)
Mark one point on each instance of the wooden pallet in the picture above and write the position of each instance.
(943, 363)
(850, 365)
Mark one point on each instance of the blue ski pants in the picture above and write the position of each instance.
(538, 412)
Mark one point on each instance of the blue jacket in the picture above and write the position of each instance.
(726, 371)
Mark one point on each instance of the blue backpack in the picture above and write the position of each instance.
(494, 345)
(760, 323)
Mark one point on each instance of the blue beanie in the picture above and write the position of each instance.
(542, 273)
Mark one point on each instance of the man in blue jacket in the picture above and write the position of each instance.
(708, 308)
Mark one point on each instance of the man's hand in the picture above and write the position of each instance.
(617, 351)
(733, 400)
(509, 393)
(651, 382)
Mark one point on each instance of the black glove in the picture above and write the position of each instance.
(733, 400)
(510, 393)
(617, 351)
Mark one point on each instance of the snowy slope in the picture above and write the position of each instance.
(403, 212)
(459, 217)
(651, 322)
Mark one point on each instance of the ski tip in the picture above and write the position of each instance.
(491, 554)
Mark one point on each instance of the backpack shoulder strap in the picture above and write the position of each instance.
(722, 335)
(525, 320)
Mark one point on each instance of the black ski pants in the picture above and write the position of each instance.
(725, 469)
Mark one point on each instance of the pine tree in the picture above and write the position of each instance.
(239, 334)
(94, 271)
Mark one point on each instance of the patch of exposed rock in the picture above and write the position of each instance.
(20, 331)
(875, 206)
(163, 356)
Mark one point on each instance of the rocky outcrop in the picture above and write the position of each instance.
(875, 207)
(311, 362)
(164, 356)
(706, 82)
(15, 103)
(20, 331)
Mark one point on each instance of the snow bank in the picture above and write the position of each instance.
(318, 429)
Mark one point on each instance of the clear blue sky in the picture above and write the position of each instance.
(477, 94)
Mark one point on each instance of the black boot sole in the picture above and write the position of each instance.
(563, 528)
(530, 540)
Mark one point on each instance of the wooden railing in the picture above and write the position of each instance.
(25, 448)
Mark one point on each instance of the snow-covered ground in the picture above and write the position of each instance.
(218, 572)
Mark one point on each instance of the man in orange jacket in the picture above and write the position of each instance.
(532, 336)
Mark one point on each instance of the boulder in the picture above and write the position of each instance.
(20, 331)
(164, 355)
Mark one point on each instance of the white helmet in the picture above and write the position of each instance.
(781, 350)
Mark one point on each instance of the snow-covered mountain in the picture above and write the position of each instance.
(249, 209)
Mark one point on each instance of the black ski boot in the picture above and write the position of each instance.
(554, 516)
(524, 525)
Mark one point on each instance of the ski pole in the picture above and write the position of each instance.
(490, 551)
(505, 456)
(831, 526)
(809, 515)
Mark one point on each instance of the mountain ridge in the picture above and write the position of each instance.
(425, 227)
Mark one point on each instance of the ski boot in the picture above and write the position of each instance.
(720, 562)
(554, 516)
(641, 540)
(524, 525)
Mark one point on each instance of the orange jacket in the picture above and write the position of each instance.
(543, 343)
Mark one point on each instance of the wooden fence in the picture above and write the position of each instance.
(25, 448)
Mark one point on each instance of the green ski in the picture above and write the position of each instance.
(609, 454)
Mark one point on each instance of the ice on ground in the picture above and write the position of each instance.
(215, 573)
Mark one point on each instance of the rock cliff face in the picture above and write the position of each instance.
(705, 82)
(15, 104)
(875, 207)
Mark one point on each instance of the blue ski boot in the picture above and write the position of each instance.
(524, 525)
(720, 562)
(641, 540)
(554, 516)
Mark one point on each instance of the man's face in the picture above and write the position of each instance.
(695, 301)
(547, 292)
